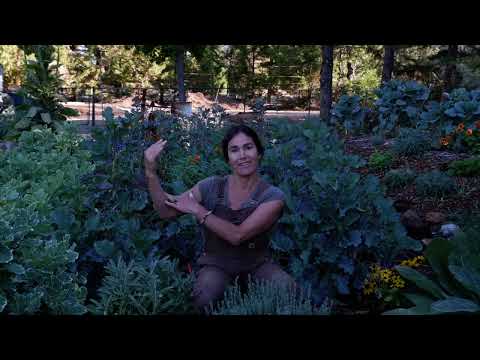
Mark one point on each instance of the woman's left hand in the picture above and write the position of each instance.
(185, 203)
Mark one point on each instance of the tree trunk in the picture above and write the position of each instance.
(388, 63)
(326, 82)
(144, 100)
(180, 72)
(1, 78)
(349, 70)
(450, 78)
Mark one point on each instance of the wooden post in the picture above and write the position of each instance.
(1, 78)
(93, 106)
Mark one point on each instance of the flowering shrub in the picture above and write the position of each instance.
(385, 283)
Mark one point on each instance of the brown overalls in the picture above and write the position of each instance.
(222, 262)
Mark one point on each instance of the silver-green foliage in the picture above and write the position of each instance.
(397, 178)
(143, 287)
(434, 183)
(267, 298)
(40, 195)
(411, 142)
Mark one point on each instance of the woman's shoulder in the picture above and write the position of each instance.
(272, 192)
(208, 185)
(210, 181)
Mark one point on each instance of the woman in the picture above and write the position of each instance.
(235, 212)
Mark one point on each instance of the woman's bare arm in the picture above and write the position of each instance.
(259, 221)
(158, 195)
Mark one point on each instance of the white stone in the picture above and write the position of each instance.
(449, 230)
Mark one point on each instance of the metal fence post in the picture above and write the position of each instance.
(93, 106)
(1, 78)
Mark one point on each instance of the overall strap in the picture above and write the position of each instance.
(262, 187)
(221, 189)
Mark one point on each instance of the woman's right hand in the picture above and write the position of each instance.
(151, 153)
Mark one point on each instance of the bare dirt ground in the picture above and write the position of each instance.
(465, 198)
(198, 100)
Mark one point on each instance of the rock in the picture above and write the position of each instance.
(426, 242)
(435, 217)
(416, 227)
(449, 230)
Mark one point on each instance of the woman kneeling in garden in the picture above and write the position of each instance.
(235, 213)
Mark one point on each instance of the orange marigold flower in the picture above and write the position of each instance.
(196, 159)
(460, 127)
(444, 141)
(469, 132)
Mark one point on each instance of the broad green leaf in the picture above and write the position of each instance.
(92, 222)
(281, 242)
(105, 248)
(139, 201)
(32, 112)
(15, 268)
(23, 124)
(420, 280)
(415, 310)
(46, 117)
(454, 304)
(298, 163)
(63, 217)
(468, 277)
(309, 133)
(437, 255)
(10, 195)
(6, 255)
(420, 301)
(3, 302)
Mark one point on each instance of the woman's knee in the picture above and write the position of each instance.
(210, 286)
(272, 272)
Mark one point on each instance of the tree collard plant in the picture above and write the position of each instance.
(349, 114)
(399, 104)
(455, 287)
(40, 105)
(40, 211)
(461, 106)
(267, 298)
(144, 287)
(334, 219)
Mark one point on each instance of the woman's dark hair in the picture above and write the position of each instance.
(237, 129)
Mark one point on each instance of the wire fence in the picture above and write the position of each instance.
(90, 102)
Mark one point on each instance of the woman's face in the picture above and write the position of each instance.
(243, 155)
